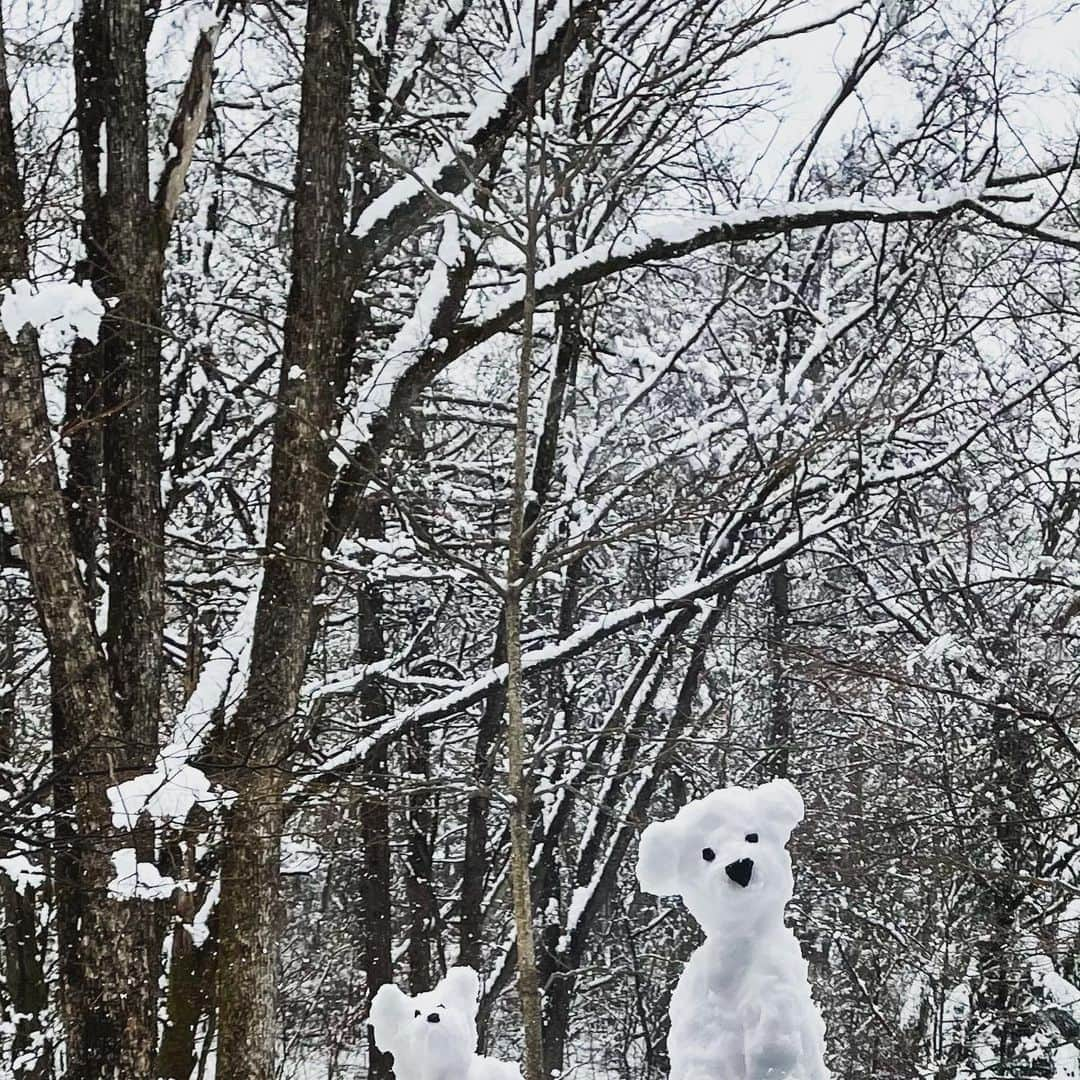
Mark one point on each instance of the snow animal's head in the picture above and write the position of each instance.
(725, 856)
(432, 1036)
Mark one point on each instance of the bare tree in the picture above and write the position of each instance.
(533, 278)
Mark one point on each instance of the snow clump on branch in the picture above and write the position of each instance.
(58, 310)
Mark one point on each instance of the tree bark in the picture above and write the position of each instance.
(108, 1003)
(260, 738)
(376, 900)
(131, 363)
(27, 991)
(249, 931)
(518, 773)
(421, 899)
(190, 998)
(780, 731)
(130, 357)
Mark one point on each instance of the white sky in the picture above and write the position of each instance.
(1046, 44)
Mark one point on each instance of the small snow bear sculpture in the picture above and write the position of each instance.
(742, 1009)
(433, 1036)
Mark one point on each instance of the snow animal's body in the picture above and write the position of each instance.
(742, 1009)
(433, 1036)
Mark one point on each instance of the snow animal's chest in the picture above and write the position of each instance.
(711, 1013)
(734, 1016)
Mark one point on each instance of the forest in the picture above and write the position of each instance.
(441, 438)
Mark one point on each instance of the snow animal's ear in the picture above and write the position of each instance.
(658, 858)
(782, 802)
(389, 1010)
(462, 985)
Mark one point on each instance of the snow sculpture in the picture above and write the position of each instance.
(433, 1036)
(742, 1009)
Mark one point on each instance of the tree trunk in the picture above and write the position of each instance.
(780, 731)
(421, 901)
(518, 775)
(130, 354)
(375, 807)
(108, 1004)
(1014, 814)
(249, 931)
(300, 476)
(131, 360)
(24, 968)
(375, 897)
(190, 998)
(474, 866)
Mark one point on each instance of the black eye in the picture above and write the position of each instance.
(416, 1014)
(751, 837)
(708, 854)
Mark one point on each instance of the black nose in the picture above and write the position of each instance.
(432, 1018)
(740, 871)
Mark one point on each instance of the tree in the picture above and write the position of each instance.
(295, 501)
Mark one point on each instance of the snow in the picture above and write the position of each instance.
(375, 396)
(199, 928)
(659, 236)
(402, 193)
(434, 30)
(173, 787)
(167, 795)
(742, 1009)
(300, 856)
(21, 872)
(491, 105)
(221, 683)
(833, 515)
(59, 311)
(918, 993)
(103, 158)
(1056, 989)
(943, 648)
(956, 1008)
(136, 880)
(433, 1035)
(546, 656)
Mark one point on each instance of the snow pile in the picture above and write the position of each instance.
(433, 1036)
(21, 872)
(58, 310)
(167, 795)
(136, 880)
(742, 1009)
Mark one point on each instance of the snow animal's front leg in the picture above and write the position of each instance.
(707, 1060)
(700, 1048)
(774, 1045)
(707, 1037)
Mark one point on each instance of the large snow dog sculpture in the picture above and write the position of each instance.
(433, 1036)
(742, 1009)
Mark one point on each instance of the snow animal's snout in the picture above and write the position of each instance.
(740, 871)
(433, 1018)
